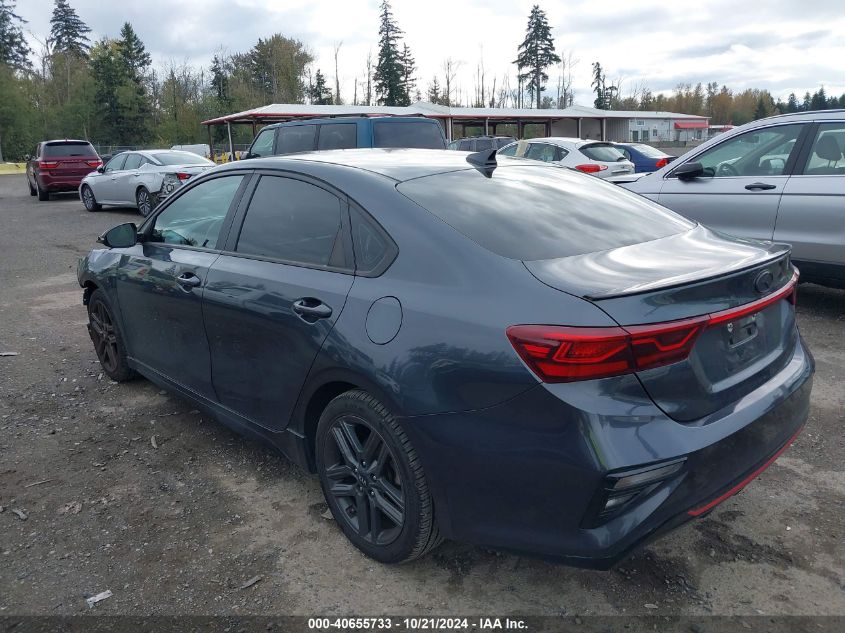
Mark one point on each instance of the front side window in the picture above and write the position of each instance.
(827, 156)
(297, 138)
(756, 153)
(196, 217)
(293, 221)
(338, 136)
(116, 163)
(483, 143)
(510, 150)
(263, 143)
(133, 161)
(420, 134)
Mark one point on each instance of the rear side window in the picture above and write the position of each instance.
(296, 138)
(133, 161)
(419, 134)
(67, 149)
(827, 156)
(338, 136)
(651, 152)
(263, 143)
(466, 146)
(544, 152)
(535, 212)
(604, 153)
(483, 143)
(293, 221)
(374, 251)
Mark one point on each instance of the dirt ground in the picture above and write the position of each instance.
(127, 488)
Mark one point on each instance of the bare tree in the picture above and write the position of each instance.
(369, 66)
(337, 98)
(450, 70)
(565, 94)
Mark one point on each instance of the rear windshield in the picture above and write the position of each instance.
(543, 212)
(605, 153)
(69, 149)
(650, 151)
(178, 158)
(419, 134)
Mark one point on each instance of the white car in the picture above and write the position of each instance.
(140, 179)
(598, 158)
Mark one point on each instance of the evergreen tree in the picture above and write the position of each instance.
(220, 81)
(14, 51)
(536, 53)
(409, 67)
(792, 103)
(389, 75)
(760, 112)
(819, 100)
(133, 53)
(321, 94)
(68, 33)
(433, 94)
(598, 85)
(806, 103)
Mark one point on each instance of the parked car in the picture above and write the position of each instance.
(200, 149)
(59, 165)
(140, 179)
(780, 178)
(515, 355)
(597, 158)
(480, 143)
(645, 157)
(307, 135)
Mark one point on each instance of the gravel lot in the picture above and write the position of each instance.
(181, 528)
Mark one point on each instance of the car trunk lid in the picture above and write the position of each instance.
(736, 285)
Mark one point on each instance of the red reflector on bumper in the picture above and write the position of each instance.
(742, 484)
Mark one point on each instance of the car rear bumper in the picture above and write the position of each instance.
(528, 475)
(58, 182)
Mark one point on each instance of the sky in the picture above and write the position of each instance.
(780, 45)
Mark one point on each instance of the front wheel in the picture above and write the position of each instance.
(373, 480)
(145, 201)
(107, 338)
(89, 200)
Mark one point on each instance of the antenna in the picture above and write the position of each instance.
(484, 161)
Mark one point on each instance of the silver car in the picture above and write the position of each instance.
(781, 178)
(598, 158)
(140, 179)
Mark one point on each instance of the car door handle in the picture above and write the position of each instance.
(760, 186)
(188, 280)
(311, 309)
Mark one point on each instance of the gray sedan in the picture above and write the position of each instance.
(140, 179)
(781, 178)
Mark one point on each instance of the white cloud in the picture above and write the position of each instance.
(787, 46)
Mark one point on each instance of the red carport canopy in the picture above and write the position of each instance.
(690, 125)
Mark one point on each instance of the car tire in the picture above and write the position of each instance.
(145, 201)
(89, 200)
(43, 196)
(32, 190)
(377, 476)
(107, 338)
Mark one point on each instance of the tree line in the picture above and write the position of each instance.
(109, 92)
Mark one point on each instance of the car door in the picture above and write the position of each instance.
(161, 281)
(812, 210)
(273, 297)
(104, 185)
(743, 180)
(125, 181)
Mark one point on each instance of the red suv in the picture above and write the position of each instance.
(59, 166)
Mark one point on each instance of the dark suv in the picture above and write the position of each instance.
(59, 166)
(308, 135)
(479, 143)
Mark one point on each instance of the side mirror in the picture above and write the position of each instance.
(121, 236)
(27, 157)
(101, 168)
(689, 171)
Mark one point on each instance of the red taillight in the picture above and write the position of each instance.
(47, 164)
(661, 163)
(182, 175)
(590, 168)
(566, 354)
(94, 163)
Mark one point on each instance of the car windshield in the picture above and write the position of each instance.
(69, 148)
(648, 150)
(602, 152)
(419, 134)
(538, 212)
(180, 158)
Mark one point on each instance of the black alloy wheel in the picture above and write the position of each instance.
(145, 202)
(107, 340)
(373, 480)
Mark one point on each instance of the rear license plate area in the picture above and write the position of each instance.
(741, 330)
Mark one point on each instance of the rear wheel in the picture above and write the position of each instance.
(145, 201)
(32, 191)
(43, 196)
(89, 200)
(373, 481)
(107, 338)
